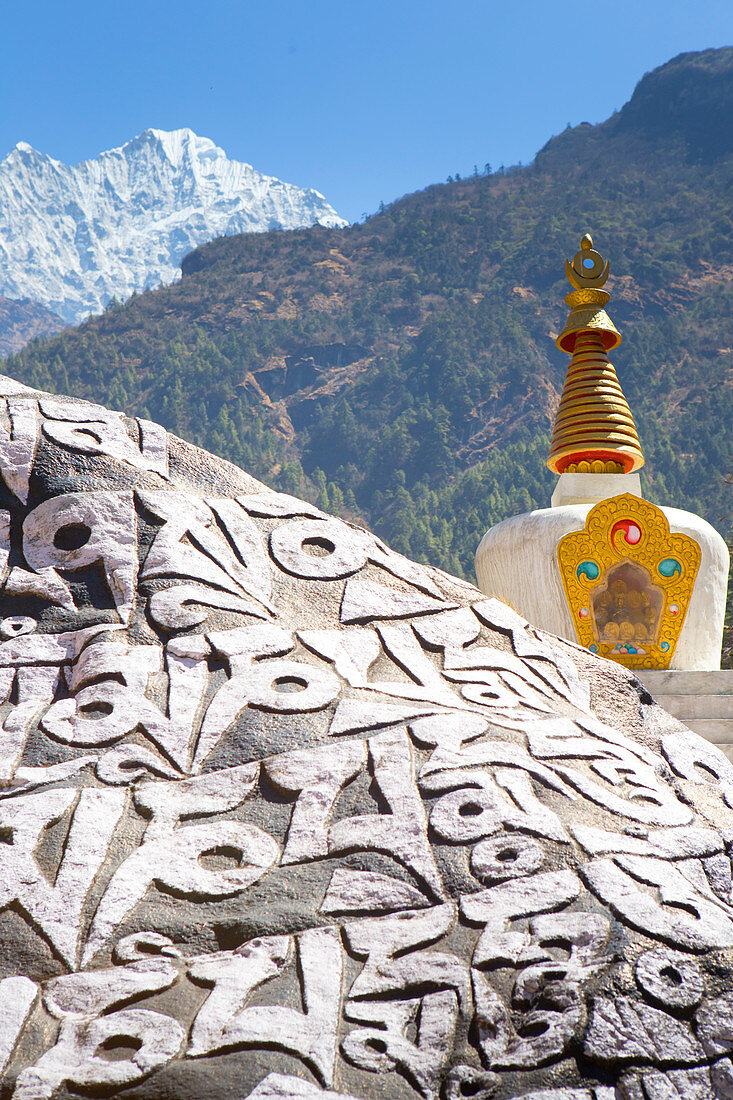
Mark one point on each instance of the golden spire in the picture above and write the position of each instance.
(594, 430)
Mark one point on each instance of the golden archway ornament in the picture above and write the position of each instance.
(628, 581)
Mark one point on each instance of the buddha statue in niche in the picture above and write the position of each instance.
(626, 606)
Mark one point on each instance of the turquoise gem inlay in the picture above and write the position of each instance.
(669, 567)
(588, 569)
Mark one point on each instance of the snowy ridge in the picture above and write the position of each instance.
(72, 238)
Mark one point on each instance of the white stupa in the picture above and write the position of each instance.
(642, 585)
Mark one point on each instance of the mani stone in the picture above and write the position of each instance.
(284, 814)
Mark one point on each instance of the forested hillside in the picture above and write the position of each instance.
(21, 320)
(403, 371)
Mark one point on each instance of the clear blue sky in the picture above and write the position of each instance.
(363, 99)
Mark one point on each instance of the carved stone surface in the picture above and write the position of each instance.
(283, 814)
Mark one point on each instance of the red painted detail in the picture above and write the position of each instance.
(591, 455)
(610, 340)
(630, 531)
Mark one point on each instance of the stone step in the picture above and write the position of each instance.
(717, 730)
(674, 682)
(687, 707)
(702, 700)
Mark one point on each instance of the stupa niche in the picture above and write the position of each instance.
(643, 585)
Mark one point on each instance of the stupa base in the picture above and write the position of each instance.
(702, 700)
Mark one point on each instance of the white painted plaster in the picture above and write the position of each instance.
(590, 488)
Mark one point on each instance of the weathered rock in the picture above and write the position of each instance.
(283, 814)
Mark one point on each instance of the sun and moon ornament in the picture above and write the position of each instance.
(627, 579)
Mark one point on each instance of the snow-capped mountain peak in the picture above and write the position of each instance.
(73, 237)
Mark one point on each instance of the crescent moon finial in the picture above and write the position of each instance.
(588, 269)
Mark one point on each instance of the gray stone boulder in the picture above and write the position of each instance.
(284, 814)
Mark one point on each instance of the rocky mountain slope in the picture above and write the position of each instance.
(404, 370)
(72, 238)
